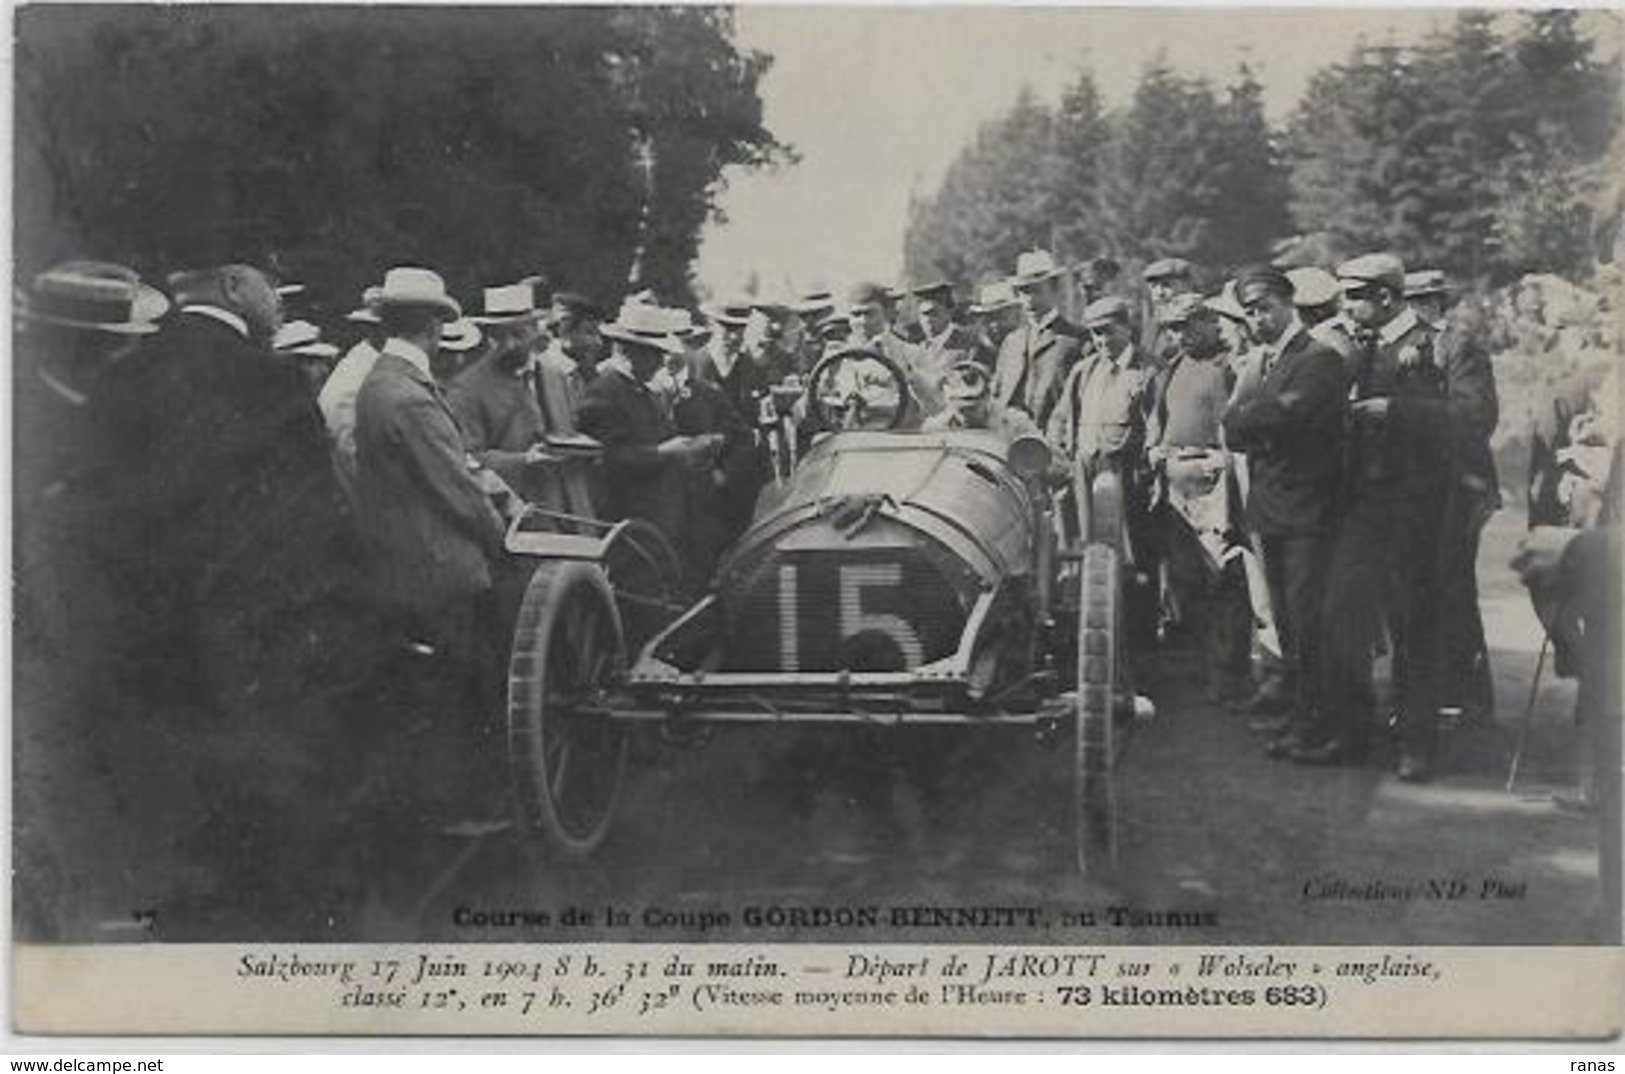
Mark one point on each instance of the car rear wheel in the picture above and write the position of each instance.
(568, 754)
(1094, 796)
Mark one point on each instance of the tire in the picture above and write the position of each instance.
(568, 755)
(1094, 795)
(645, 580)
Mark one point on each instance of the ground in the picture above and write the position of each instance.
(1218, 843)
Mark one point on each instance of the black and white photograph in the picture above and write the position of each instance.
(803, 474)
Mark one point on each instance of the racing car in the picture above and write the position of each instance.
(893, 577)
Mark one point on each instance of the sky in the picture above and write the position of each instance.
(877, 102)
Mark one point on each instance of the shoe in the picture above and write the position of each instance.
(1269, 725)
(1323, 754)
(1413, 768)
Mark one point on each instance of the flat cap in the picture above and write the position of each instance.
(1167, 268)
(1386, 270)
(1180, 308)
(1104, 311)
(1425, 282)
(1312, 286)
(1266, 276)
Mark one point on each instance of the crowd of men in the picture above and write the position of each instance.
(267, 516)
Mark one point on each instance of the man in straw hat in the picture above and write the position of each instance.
(337, 397)
(500, 403)
(76, 321)
(642, 450)
(945, 344)
(996, 313)
(1033, 364)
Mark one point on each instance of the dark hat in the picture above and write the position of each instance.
(97, 296)
(1097, 271)
(578, 304)
(1266, 276)
(1168, 268)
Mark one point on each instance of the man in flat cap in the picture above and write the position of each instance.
(1472, 407)
(1034, 362)
(1390, 564)
(1164, 278)
(1288, 417)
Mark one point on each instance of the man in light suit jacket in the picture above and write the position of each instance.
(433, 533)
(1034, 362)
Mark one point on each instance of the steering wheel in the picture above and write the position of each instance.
(834, 406)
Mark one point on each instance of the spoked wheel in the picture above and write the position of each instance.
(568, 754)
(645, 579)
(1094, 795)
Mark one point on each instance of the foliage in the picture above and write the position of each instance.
(1476, 152)
(335, 141)
(1183, 170)
(1490, 150)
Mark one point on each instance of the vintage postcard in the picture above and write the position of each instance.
(962, 521)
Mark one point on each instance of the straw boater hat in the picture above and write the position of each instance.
(422, 288)
(815, 307)
(995, 296)
(95, 295)
(1035, 266)
(367, 312)
(460, 336)
(508, 304)
(643, 325)
(304, 339)
(734, 313)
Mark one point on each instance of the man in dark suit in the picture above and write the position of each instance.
(642, 451)
(1033, 364)
(1471, 407)
(1288, 417)
(510, 400)
(945, 344)
(1393, 550)
(234, 561)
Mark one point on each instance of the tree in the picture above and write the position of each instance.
(336, 141)
(996, 200)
